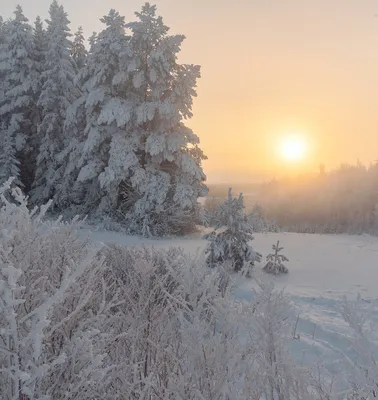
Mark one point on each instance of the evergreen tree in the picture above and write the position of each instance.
(92, 40)
(29, 159)
(98, 118)
(3, 32)
(3, 50)
(40, 48)
(229, 242)
(171, 178)
(40, 45)
(58, 92)
(257, 219)
(134, 156)
(275, 261)
(78, 52)
(3, 26)
(9, 164)
(21, 85)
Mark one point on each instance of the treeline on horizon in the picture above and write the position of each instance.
(342, 200)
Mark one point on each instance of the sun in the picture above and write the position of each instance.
(293, 148)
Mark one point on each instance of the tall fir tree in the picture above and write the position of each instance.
(9, 163)
(40, 45)
(78, 52)
(2, 77)
(20, 85)
(92, 41)
(171, 177)
(40, 48)
(3, 131)
(58, 92)
(106, 110)
(136, 155)
(3, 50)
(2, 31)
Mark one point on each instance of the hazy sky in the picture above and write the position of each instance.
(269, 68)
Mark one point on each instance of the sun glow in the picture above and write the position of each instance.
(293, 148)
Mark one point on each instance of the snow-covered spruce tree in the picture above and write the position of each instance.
(58, 92)
(3, 25)
(40, 49)
(211, 210)
(99, 119)
(68, 192)
(138, 158)
(92, 41)
(78, 51)
(258, 219)
(3, 50)
(171, 177)
(40, 42)
(9, 163)
(275, 261)
(230, 241)
(3, 28)
(21, 85)
(29, 161)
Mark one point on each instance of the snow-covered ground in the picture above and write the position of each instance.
(323, 269)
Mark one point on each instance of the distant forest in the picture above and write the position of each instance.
(343, 200)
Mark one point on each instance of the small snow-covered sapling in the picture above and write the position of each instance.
(230, 241)
(275, 261)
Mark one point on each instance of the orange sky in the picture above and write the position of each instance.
(269, 67)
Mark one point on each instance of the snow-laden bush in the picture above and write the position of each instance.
(276, 375)
(51, 344)
(168, 221)
(180, 335)
(166, 293)
(362, 367)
